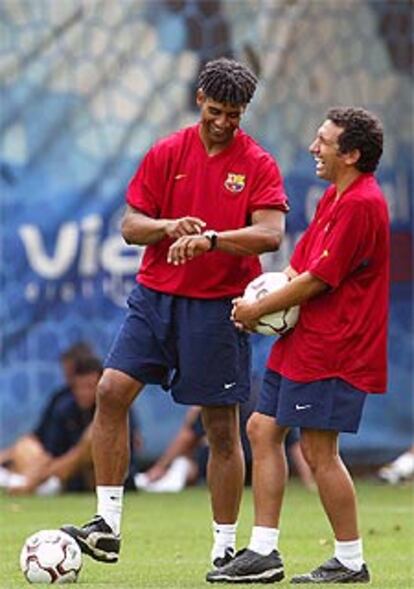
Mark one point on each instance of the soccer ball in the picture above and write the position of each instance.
(274, 323)
(51, 556)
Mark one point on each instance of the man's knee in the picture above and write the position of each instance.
(28, 451)
(262, 430)
(115, 392)
(223, 434)
(307, 454)
(254, 429)
(319, 449)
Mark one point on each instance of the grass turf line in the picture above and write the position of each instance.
(167, 538)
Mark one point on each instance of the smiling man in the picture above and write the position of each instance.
(205, 201)
(319, 374)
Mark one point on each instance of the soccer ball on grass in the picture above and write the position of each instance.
(274, 323)
(51, 556)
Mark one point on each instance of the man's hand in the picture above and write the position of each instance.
(177, 228)
(155, 473)
(244, 315)
(140, 229)
(186, 248)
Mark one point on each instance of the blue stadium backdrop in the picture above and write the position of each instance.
(85, 90)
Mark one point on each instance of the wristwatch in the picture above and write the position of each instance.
(212, 237)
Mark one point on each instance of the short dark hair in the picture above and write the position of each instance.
(87, 365)
(362, 131)
(227, 81)
(77, 350)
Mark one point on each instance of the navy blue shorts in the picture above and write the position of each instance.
(187, 345)
(330, 404)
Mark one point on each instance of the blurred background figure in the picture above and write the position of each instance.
(180, 464)
(184, 461)
(57, 455)
(399, 470)
(27, 449)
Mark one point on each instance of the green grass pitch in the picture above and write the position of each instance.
(167, 538)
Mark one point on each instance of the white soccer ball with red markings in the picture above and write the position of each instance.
(274, 323)
(51, 556)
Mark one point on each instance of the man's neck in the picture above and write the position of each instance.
(211, 147)
(345, 180)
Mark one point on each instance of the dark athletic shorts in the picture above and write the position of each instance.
(187, 345)
(330, 404)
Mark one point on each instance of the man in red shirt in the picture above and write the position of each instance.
(205, 201)
(319, 374)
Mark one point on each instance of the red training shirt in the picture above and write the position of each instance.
(177, 178)
(342, 332)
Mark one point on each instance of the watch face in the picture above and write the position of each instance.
(212, 236)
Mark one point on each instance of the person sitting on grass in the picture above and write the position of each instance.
(57, 456)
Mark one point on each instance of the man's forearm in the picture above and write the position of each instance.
(144, 230)
(249, 241)
(300, 289)
(290, 272)
(140, 229)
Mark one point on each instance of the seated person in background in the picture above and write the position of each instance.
(399, 470)
(24, 452)
(59, 457)
(68, 360)
(185, 459)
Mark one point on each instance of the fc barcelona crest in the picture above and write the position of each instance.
(235, 182)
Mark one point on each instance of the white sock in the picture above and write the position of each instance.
(51, 486)
(110, 505)
(350, 554)
(224, 537)
(404, 465)
(10, 479)
(141, 481)
(264, 540)
(5, 474)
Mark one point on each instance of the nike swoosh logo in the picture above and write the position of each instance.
(180, 176)
(229, 385)
(301, 407)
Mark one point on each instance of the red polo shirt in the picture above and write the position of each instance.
(343, 332)
(177, 178)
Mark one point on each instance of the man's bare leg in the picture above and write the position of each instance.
(270, 470)
(110, 449)
(270, 473)
(335, 486)
(261, 562)
(337, 494)
(225, 473)
(100, 538)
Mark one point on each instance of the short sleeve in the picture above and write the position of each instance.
(348, 246)
(268, 191)
(145, 187)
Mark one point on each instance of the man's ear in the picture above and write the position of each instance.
(352, 157)
(200, 97)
